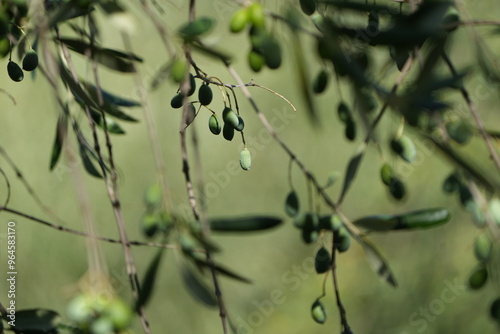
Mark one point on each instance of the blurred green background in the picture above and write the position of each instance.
(431, 266)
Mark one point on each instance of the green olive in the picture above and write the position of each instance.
(30, 60)
(15, 72)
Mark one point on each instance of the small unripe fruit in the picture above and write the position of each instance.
(228, 132)
(322, 261)
(178, 70)
(14, 71)
(482, 248)
(176, 101)
(342, 239)
(320, 82)
(241, 124)
(255, 61)
(245, 159)
(205, 95)
(214, 125)
(273, 54)
(386, 174)
(256, 15)
(239, 20)
(30, 60)
(318, 312)
(230, 118)
(308, 6)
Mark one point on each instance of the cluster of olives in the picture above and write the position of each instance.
(99, 313)
(346, 117)
(155, 220)
(231, 121)
(265, 48)
(30, 62)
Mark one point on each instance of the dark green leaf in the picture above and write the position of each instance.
(244, 224)
(85, 154)
(377, 261)
(212, 52)
(193, 29)
(61, 130)
(198, 288)
(64, 12)
(412, 220)
(149, 280)
(292, 205)
(110, 97)
(113, 59)
(111, 126)
(220, 269)
(36, 321)
(352, 169)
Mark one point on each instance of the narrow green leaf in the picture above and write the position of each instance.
(149, 280)
(110, 97)
(352, 170)
(112, 59)
(111, 126)
(378, 262)
(412, 220)
(197, 287)
(244, 224)
(193, 29)
(61, 131)
(220, 269)
(85, 154)
(211, 51)
(36, 321)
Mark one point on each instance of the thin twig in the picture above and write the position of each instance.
(475, 114)
(87, 235)
(340, 306)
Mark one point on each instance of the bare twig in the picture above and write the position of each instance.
(475, 114)
(340, 306)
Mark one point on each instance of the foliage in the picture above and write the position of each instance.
(348, 35)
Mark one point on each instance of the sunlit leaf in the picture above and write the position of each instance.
(244, 224)
(149, 280)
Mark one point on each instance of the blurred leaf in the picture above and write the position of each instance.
(482, 248)
(110, 97)
(292, 205)
(210, 51)
(113, 59)
(36, 321)
(459, 131)
(193, 29)
(61, 131)
(486, 65)
(352, 169)
(408, 221)
(111, 126)
(153, 196)
(197, 287)
(149, 280)
(244, 224)
(220, 269)
(85, 154)
(377, 261)
(303, 78)
(66, 11)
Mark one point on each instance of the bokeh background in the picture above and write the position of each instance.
(431, 266)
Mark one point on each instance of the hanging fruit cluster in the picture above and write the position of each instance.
(265, 48)
(231, 120)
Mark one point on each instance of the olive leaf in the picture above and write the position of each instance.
(149, 280)
(412, 220)
(352, 169)
(197, 287)
(61, 130)
(36, 321)
(377, 261)
(112, 59)
(193, 29)
(244, 224)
